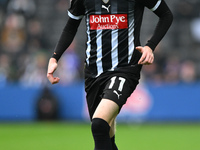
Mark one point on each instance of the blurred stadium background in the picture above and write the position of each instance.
(163, 112)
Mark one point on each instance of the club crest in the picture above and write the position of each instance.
(105, 1)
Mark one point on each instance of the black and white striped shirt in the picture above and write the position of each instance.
(113, 31)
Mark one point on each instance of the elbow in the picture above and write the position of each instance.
(167, 17)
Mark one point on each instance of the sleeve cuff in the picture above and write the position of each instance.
(73, 16)
(151, 45)
(56, 56)
(156, 6)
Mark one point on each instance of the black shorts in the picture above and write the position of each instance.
(115, 86)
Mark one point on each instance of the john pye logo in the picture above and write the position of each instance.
(114, 21)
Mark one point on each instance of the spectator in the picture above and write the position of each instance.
(4, 68)
(35, 71)
(26, 7)
(188, 71)
(13, 35)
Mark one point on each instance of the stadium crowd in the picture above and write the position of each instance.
(29, 29)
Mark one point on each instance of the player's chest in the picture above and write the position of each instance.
(109, 6)
(108, 14)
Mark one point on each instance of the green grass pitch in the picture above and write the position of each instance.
(77, 136)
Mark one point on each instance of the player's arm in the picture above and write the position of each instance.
(66, 37)
(64, 42)
(160, 8)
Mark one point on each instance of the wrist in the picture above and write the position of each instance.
(151, 45)
(55, 56)
(53, 60)
(149, 48)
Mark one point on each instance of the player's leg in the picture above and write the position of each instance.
(112, 134)
(103, 112)
(112, 127)
(102, 124)
(107, 110)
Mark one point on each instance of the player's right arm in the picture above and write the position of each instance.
(75, 13)
(64, 42)
(66, 37)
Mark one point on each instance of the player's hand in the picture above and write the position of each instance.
(147, 57)
(51, 68)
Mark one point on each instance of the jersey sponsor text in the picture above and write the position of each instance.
(114, 21)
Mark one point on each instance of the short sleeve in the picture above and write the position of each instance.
(77, 9)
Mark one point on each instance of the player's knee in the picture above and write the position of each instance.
(100, 126)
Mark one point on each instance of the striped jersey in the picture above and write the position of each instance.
(113, 32)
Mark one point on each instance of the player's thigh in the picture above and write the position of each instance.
(106, 110)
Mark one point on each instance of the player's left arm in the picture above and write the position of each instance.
(160, 8)
(165, 15)
(147, 57)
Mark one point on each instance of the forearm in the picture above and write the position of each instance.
(66, 37)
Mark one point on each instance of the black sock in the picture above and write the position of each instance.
(114, 146)
(100, 131)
